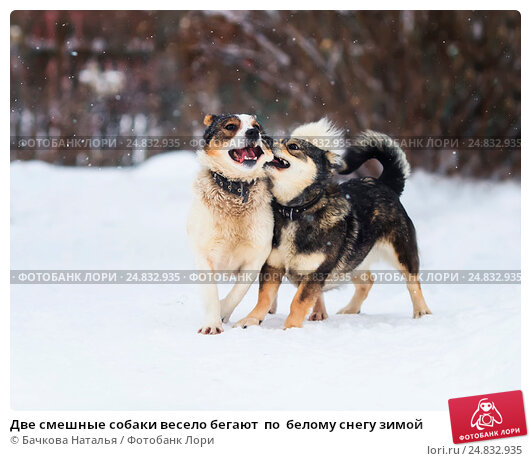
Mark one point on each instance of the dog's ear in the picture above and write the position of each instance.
(209, 119)
(268, 141)
(335, 160)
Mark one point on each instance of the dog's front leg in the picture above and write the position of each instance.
(239, 290)
(236, 294)
(270, 280)
(211, 304)
(307, 295)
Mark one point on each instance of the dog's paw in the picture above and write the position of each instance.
(226, 311)
(247, 322)
(215, 329)
(317, 316)
(225, 316)
(292, 323)
(417, 314)
(348, 310)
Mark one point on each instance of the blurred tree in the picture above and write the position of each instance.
(406, 73)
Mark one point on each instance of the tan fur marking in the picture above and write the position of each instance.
(267, 294)
(273, 309)
(334, 159)
(363, 286)
(215, 152)
(275, 258)
(307, 262)
(305, 298)
(286, 256)
(420, 307)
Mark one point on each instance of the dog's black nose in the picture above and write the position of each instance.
(252, 134)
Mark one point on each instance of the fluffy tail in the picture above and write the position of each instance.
(370, 144)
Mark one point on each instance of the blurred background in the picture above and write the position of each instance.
(405, 73)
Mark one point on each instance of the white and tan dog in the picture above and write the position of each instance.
(230, 224)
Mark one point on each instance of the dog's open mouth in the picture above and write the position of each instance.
(279, 163)
(246, 156)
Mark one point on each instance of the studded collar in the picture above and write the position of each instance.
(294, 212)
(240, 188)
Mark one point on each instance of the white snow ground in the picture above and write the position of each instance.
(136, 346)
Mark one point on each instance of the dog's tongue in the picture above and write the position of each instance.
(246, 153)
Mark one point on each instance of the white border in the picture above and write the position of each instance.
(259, 445)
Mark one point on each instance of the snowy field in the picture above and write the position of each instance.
(136, 347)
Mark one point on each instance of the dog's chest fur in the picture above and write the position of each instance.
(224, 228)
(287, 255)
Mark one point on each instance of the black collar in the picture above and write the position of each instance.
(239, 188)
(294, 212)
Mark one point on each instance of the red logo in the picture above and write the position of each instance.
(489, 416)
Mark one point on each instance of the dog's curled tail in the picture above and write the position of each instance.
(370, 144)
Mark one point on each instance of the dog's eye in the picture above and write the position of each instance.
(293, 146)
(230, 127)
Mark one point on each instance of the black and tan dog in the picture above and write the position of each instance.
(324, 228)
